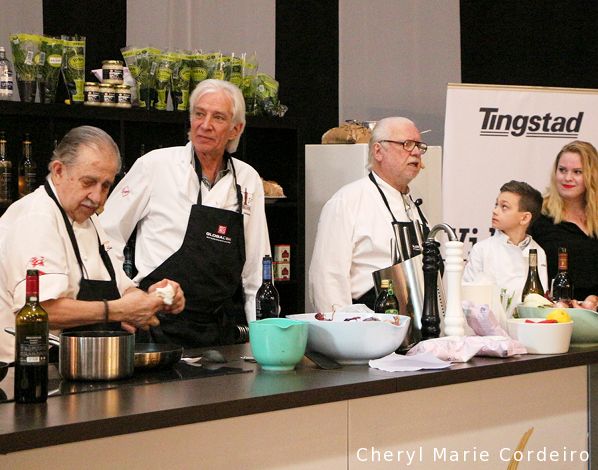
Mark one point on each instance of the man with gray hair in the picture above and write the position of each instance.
(199, 218)
(56, 230)
(356, 224)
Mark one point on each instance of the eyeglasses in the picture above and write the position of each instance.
(409, 145)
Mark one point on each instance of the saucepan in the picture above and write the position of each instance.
(108, 355)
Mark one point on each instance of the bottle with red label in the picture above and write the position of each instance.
(562, 286)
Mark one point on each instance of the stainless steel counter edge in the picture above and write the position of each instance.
(79, 417)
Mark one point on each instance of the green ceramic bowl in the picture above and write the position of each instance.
(585, 322)
(278, 344)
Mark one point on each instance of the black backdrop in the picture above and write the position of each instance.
(530, 42)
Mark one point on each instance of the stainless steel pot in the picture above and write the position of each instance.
(96, 355)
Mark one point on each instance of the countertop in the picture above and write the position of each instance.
(134, 408)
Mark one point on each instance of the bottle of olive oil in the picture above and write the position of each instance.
(5, 175)
(27, 170)
(533, 285)
(31, 346)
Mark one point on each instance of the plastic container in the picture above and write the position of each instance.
(278, 344)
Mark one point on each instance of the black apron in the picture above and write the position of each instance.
(369, 298)
(208, 267)
(90, 289)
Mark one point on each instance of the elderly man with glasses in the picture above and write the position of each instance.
(356, 224)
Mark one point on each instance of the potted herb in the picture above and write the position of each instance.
(25, 48)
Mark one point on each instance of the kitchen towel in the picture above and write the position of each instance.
(398, 363)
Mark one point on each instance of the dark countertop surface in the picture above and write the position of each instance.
(173, 399)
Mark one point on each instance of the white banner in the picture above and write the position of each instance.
(494, 134)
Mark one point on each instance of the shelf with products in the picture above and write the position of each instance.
(273, 146)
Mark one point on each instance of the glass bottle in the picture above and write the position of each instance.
(267, 300)
(381, 298)
(31, 346)
(6, 77)
(391, 305)
(562, 286)
(27, 170)
(533, 285)
(5, 175)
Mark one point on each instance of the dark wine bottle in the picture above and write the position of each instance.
(533, 285)
(562, 286)
(27, 170)
(266, 299)
(391, 305)
(5, 174)
(31, 346)
(381, 298)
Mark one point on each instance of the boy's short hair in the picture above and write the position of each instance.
(530, 199)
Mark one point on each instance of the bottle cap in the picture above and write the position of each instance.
(384, 283)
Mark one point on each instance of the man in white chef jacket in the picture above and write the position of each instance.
(356, 224)
(56, 231)
(199, 218)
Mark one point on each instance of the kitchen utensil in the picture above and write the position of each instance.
(96, 355)
(585, 322)
(156, 355)
(541, 338)
(322, 361)
(278, 344)
(353, 342)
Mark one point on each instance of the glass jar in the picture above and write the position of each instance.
(123, 96)
(112, 72)
(92, 94)
(107, 94)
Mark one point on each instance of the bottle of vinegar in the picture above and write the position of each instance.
(31, 346)
(391, 305)
(5, 175)
(381, 298)
(267, 299)
(533, 285)
(562, 286)
(6, 77)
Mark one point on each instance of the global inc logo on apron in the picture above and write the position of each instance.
(220, 235)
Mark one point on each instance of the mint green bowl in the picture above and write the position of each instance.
(278, 344)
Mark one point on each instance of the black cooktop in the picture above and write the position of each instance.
(180, 371)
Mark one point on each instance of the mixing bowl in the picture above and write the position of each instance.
(585, 322)
(354, 342)
(278, 344)
(541, 338)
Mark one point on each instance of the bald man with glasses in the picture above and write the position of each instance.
(356, 224)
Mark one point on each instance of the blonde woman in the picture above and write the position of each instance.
(570, 218)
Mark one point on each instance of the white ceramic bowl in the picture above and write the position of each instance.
(541, 338)
(585, 322)
(353, 342)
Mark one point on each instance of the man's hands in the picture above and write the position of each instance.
(138, 309)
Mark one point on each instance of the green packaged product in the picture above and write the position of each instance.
(49, 65)
(199, 69)
(166, 63)
(179, 81)
(25, 48)
(73, 67)
(142, 64)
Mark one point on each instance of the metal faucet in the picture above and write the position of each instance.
(446, 228)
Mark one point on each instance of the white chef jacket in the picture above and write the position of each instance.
(156, 195)
(498, 260)
(352, 241)
(33, 236)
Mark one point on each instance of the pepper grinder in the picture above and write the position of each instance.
(454, 319)
(431, 265)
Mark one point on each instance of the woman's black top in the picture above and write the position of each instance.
(582, 253)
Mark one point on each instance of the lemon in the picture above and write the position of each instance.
(559, 315)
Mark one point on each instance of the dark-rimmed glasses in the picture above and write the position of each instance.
(409, 145)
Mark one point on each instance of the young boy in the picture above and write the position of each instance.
(504, 258)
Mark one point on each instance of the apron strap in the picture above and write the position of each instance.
(371, 176)
(71, 233)
(227, 158)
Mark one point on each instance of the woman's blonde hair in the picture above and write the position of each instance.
(554, 206)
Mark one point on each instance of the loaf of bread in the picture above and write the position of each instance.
(272, 189)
